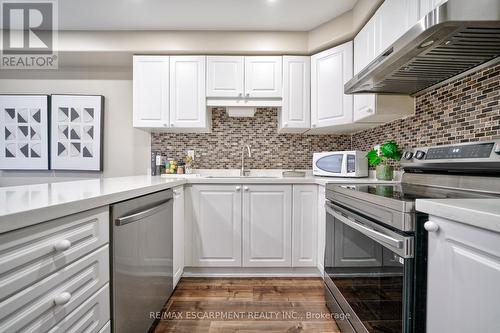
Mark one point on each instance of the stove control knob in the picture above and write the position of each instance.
(419, 155)
(408, 155)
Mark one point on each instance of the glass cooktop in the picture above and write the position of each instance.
(409, 192)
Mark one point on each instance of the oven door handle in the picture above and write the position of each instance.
(394, 243)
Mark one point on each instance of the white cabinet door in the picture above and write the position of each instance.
(392, 20)
(330, 70)
(178, 233)
(217, 225)
(263, 76)
(304, 233)
(267, 225)
(364, 46)
(225, 76)
(295, 113)
(187, 92)
(463, 275)
(150, 91)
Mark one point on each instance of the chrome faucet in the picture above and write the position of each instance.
(244, 172)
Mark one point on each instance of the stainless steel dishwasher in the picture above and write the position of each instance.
(142, 256)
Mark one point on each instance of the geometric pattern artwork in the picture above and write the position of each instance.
(24, 132)
(76, 125)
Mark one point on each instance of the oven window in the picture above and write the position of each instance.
(368, 276)
(330, 163)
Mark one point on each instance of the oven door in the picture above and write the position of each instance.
(369, 273)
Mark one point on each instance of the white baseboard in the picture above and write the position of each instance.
(240, 272)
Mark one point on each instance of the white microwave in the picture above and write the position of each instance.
(340, 164)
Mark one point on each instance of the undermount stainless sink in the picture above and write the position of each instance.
(243, 177)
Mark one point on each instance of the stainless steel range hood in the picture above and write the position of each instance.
(455, 37)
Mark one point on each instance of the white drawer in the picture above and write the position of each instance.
(28, 255)
(33, 309)
(90, 317)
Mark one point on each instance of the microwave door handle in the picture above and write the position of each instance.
(373, 234)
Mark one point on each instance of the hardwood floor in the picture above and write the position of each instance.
(247, 305)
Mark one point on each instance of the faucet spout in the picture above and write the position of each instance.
(244, 172)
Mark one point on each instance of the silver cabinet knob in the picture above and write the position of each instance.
(285, 124)
(238, 188)
(248, 94)
(165, 125)
(313, 125)
(246, 188)
(62, 245)
(240, 94)
(62, 298)
(171, 124)
(431, 226)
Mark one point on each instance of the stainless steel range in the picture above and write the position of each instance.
(376, 243)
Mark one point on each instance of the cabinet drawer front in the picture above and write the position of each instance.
(92, 316)
(28, 255)
(34, 307)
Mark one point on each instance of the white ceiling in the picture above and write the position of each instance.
(278, 15)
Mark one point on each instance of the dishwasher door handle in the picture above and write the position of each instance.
(141, 215)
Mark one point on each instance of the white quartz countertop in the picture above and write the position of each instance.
(482, 213)
(25, 205)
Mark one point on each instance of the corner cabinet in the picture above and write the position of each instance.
(330, 70)
(150, 91)
(295, 113)
(169, 93)
(216, 225)
(392, 19)
(267, 225)
(462, 278)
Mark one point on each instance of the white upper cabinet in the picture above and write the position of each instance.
(225, 76)
(330, 70)
(392, 20)
(187, 92)
(263, 76)
(267, 223)
(295, 114)
(368, 44)
(150, 91)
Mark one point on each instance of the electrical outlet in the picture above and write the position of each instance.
(190, 153)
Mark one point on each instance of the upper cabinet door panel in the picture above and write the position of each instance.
(364, 46)
(187, 92)
(392, 20)
(150, 91)
(296, 109)
(263, 76)
(331, 69)
(225, 76)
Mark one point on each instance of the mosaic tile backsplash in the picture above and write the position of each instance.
(464, 110)
(222, 148)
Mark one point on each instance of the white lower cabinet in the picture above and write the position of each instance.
(253, 225)
(267, 225)
(305, 218)
(178, 233)
(216, 225)
(463, 278)
(54, 276)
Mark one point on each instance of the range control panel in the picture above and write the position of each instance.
(482, 150)
(472, 155)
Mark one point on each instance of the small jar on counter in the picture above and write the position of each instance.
(180, 169)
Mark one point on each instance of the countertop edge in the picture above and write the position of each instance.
(463, 211)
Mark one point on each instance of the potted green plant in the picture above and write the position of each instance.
(379, 157)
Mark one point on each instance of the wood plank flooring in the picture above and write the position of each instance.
(247, 305)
